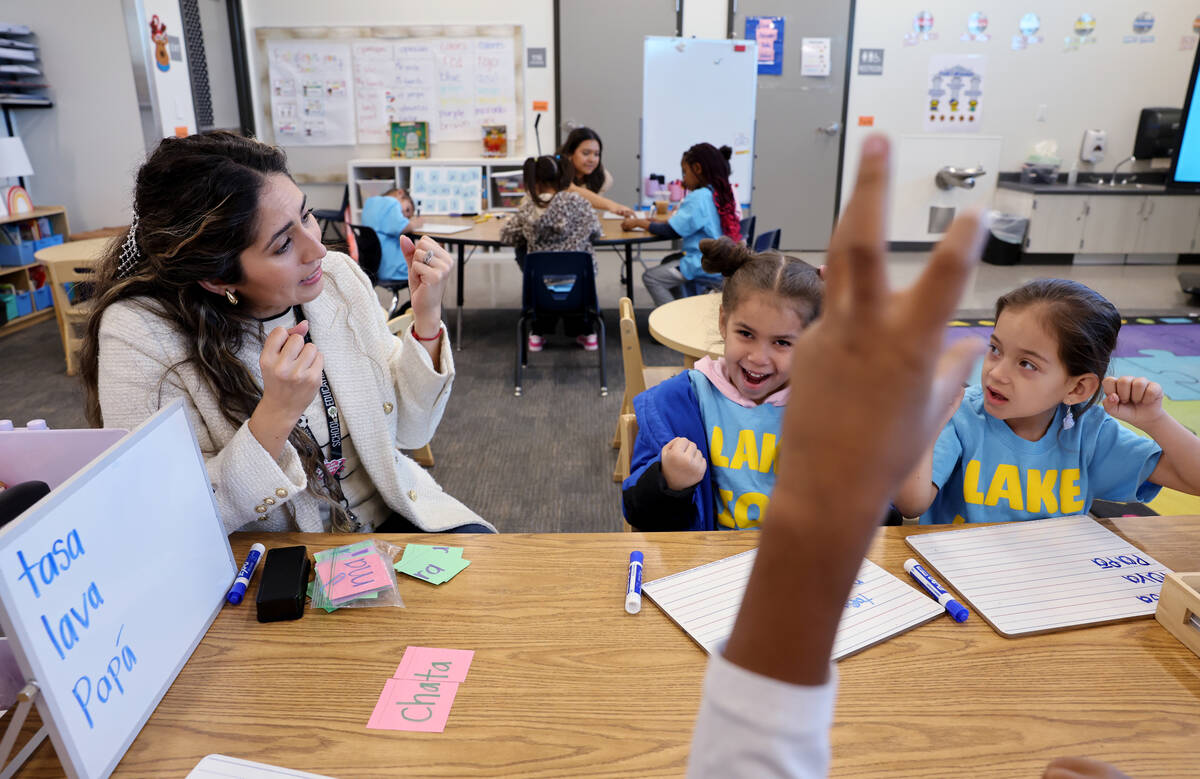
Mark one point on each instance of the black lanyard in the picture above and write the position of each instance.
(336, 463)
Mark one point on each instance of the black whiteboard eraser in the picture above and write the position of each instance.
(284, 584)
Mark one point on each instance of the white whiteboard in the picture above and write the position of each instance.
(130, 564)
(695, 91)
(1045, 574)
(705, 600)
(456, 84)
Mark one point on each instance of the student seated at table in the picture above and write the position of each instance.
(709, 210)
(552, 217)
(583, 149)
(1031, 439)
(391, 215)
(705, 454)
(223, 295)
(865, 402)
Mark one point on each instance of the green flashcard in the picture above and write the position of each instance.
(436, 565)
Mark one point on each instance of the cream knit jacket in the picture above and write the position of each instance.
(389, 395)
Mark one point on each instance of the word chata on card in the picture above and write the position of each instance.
(419, 695)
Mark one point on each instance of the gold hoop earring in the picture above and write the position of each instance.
(231, 296)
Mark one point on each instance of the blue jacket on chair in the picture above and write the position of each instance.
(666, 411)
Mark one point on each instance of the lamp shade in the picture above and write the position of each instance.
(13, 159)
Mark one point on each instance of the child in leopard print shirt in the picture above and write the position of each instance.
(552, 219)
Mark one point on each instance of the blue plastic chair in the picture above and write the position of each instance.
(767, 240)
(748, 229)
(559, 283)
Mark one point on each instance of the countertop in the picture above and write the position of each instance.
(1137, 184)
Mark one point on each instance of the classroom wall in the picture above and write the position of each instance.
(1101, 85)
(85, 150)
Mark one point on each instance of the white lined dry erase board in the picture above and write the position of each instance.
(1045, 575)
(108, 584)
(704, 601)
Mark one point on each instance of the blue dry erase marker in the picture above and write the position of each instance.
(917, 571)
(633, 588)
(243, 578)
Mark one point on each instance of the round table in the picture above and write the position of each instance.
(88, 251)
(689, 325)
(487, 233)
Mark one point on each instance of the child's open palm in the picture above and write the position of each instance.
(1133, 399)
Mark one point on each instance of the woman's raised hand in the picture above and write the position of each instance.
(291, 373)
(428, 269)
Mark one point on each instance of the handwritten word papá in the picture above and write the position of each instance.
(70, 629)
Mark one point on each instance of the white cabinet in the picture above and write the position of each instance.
(1110, 228)
(1110, 225)
(1167, 225)
(369, 177)
(1056, 224)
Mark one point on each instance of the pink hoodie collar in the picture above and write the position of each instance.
(715, 371)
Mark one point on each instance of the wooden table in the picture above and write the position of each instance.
(689, 325)
(487, 233)
(564, 683)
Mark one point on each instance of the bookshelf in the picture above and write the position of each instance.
(25, 277)
(369, 177)
(22, 82)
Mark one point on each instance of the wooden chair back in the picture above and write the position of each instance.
(638, 378)
(627, 428)
(72, 317)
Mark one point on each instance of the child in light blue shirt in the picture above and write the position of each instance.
(1030, 441)
(708, 211)
(390, 215)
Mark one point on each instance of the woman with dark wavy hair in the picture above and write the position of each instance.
(583, 149)
(222, 294)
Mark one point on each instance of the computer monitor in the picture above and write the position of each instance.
(1157, 133)
(1185, 164)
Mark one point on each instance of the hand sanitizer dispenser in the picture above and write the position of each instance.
(1093, 146)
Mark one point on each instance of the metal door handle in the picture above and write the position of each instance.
(834, 128)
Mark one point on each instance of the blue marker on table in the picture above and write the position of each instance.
(242, 581)
(917, 571)
(633, 588)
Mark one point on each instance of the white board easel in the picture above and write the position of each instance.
(108, 584)
(694, 91)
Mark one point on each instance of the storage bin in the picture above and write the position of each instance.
(8, 301)
(1038, 173)
(49, 240)
(17, 255)
(43, 298)
(24, 303)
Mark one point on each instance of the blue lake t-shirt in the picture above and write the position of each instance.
(741, 454)
(385, 215)
(987, 473)
(696, 219)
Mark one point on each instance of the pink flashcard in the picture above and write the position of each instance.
(352, 575)
(439, 665)
(407, 704)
